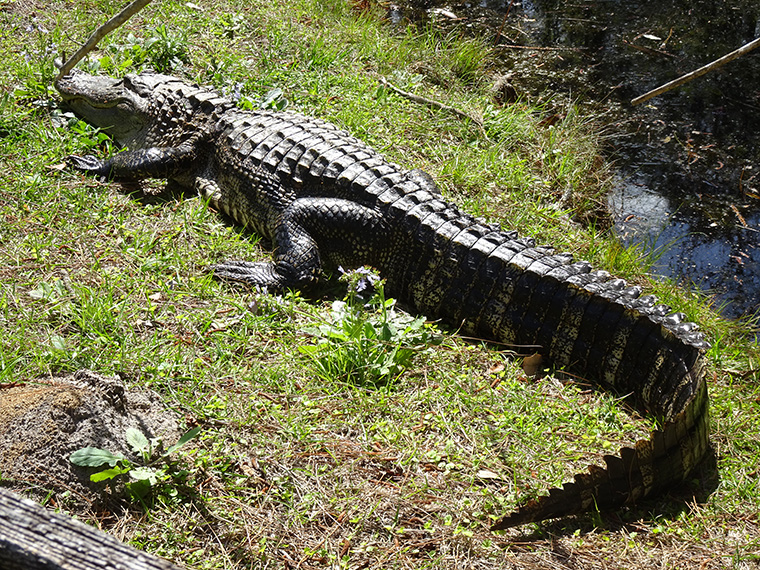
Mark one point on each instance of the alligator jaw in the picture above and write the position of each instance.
(99, 90)
(105, 102)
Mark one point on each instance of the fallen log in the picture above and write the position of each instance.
(35, 538)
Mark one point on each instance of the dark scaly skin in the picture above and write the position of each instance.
(326, 199)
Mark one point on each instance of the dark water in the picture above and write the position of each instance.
(688, 174)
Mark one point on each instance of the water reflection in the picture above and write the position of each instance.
(721, 259)
(687, 160)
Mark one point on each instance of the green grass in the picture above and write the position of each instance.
(297, 469)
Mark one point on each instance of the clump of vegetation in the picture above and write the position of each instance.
(164, 50)
(155, 476)
(366, 341)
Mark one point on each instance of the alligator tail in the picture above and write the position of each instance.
(493, 285)
(650, 466)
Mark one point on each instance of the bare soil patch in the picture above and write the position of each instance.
(43, 422)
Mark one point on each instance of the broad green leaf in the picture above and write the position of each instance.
(271, 98)
(57, 342)
(94, 457)
(144, 474)
(43, 291)
(309, 349)
(108, 474)
(139, 489)
(137, 440)
(387, 332)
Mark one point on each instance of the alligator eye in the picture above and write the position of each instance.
(126, 107)
(137, 85)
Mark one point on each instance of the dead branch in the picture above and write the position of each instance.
(100, 33)
(432, 103)
(697, 72)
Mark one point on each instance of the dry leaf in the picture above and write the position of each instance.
(532, 365)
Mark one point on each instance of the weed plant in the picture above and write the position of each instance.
(366, 341)
(154, 476)
(300, 464)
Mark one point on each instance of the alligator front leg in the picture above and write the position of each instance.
(153, 162)
(350, 234)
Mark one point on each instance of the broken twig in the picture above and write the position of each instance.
(504, 21)
(649, 50)
(541, 48)
(432, 103)
(100, 33)
(697, 72)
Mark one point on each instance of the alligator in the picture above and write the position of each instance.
(325, 199)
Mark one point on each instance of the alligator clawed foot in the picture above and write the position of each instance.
(88, 163)
(261, 275)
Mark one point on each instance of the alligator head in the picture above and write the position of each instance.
(121, 106)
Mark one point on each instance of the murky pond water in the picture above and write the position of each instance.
(688, 168)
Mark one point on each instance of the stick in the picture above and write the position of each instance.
(697, 72)
(648, 49)
(100, 33)
(541, 48)
(504, 21)
(432, 103)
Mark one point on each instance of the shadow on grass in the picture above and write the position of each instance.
(151, 192)
(664, 508)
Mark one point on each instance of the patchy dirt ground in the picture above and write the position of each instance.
(43, 422)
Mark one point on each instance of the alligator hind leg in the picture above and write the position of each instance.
(309, 231)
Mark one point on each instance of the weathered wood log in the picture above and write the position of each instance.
(35, 538)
